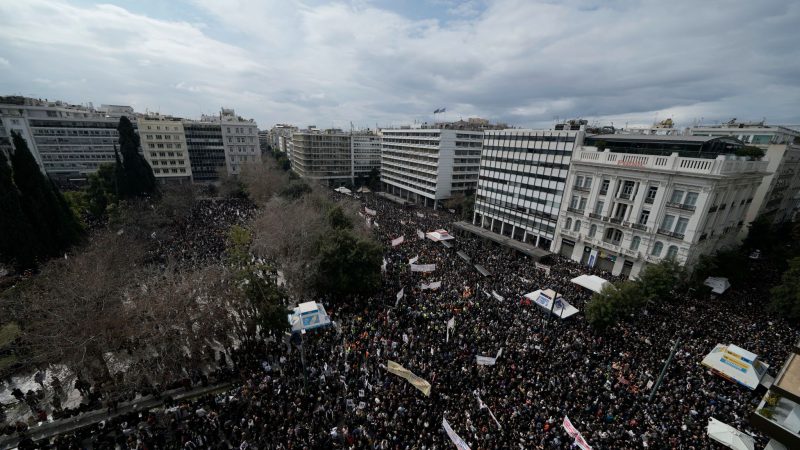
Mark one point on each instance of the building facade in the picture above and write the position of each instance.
(523, 174)
(206, 150)
(426, 165)
(778, 197)
(633, 200)
(366, 154)
(164, 145)
(323, 156)
(69, 142)
(240, 138)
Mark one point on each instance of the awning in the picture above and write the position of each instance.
(446, 244)
(482, 270)
(544, 299)
(464, 256)
(718, 285)
(591, 282)
(439, 235)
(729, 436)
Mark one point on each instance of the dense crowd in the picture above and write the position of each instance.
(343, 397)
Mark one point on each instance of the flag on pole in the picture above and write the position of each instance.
(401, 294)
(443, 110)
(482, 405)
(575, 434)
(402, 372)
(460, 444)
(398, 241)
(451, 325)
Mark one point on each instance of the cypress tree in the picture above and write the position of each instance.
(45, 208)
(139, 178)
(18, 244)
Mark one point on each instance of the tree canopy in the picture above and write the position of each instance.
(136, 178)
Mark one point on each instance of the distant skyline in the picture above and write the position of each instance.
(392, 62)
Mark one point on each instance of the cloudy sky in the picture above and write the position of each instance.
(389, 62)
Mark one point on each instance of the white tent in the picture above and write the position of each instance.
(363, 190)
(729, 436)
(737, 365)
(309, 315)
(718, 285)
(544, 298)
(343, 190)
(591, 282)
(439, 235)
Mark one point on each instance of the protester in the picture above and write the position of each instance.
(343, 397)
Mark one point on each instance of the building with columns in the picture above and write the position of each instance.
(522, 179)
(631, 200)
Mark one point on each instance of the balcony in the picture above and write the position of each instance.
(603, 192)
(574, 210)
(649, 200)
(581, 188)
(682, 206)
(595, 216)
(611, 244)
(713, 209)
(616, 220)
(625, 195)
(639, 226)
(632, 253)
(670, 233)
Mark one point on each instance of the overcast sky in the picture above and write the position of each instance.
(389, 62)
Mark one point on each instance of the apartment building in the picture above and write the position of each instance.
(638, 199)
(240, 139)
(163, 142)
(522, 179)
(427, 164)
(778, 197)
(69, 142)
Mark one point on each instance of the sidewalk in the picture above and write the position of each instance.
(50, 429)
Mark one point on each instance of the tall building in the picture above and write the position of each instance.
(638, 199)
(240, 139)
(323, 156)
(206, 150)
(281, 138)
(164, 145)
(778, 197)
(777, 415)
(430, 163)
(522, 179)
(263, 141)
(68, 141)
(366, 153)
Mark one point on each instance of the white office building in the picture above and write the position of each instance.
(522, 180)
(425, 165)
(68, 141)
(778, 197)
(638, 199)
(164, 146)
(335, 157)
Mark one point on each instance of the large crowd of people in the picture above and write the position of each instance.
(330, 388)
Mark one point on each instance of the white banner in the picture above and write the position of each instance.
(398, 241)
(413, 260)
(485, 360)
(423, 267)
(451, 324)
(579, 441)
(434, 285)
(371, 212)
(420, 234)
(460, 444)
(420, 215)
(497, 296)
